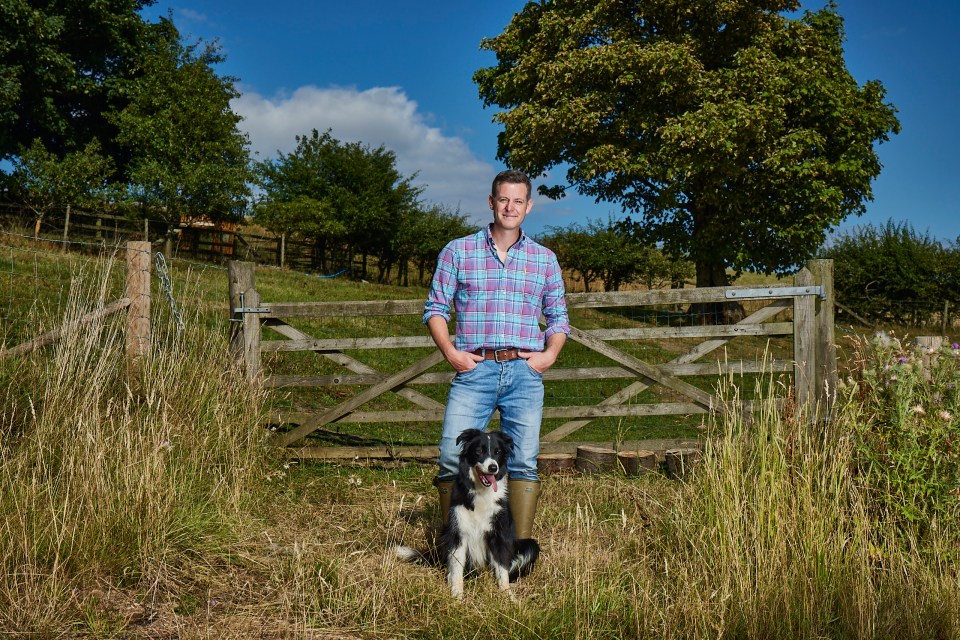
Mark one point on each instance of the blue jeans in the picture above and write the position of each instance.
(515, 389)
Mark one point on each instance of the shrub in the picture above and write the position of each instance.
(893, 272)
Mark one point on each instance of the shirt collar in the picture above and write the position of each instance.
(522, 240)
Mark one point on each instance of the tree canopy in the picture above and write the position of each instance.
(349, 196)
(187, 155)
(63, 65)
(92, 86)
(730, 132)
(597, 251)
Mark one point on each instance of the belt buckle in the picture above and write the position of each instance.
(496, 355)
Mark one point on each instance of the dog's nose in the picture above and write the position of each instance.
(493, 467)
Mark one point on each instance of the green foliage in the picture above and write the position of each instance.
(430, 231)
(44, 181)
(908, 435)
(604, 252)
(79, 80)
(734, 134)
(188, 157)
(892, 272)
(344, 196)
(63, 66)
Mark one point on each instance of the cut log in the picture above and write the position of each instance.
(556, 462)
(679, 462)
(596, 459)
(635, 463)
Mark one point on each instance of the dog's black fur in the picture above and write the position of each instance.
(480, 530)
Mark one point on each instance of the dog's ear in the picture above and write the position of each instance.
(469, 433)
(507, 442)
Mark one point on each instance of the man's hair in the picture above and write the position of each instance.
(512, 176)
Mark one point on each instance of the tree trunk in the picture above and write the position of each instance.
(713, 313)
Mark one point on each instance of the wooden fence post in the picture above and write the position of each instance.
(244, 327)
(929, 345)
(826, 342)
(66, 226)
(804, 344)
(138, 311)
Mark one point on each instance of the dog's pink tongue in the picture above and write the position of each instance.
(492, 479)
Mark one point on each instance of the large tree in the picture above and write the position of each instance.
(728, 130)
(187, 155)
(63, 64)
(334, 193)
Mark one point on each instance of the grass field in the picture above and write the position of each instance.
(160, 513)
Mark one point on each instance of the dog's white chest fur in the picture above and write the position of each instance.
(474, 525)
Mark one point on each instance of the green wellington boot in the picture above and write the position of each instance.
(443, 489)
(524, 495)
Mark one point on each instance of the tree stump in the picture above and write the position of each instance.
(679, 462)
(596, 459)
(635, 463)
(556, 462)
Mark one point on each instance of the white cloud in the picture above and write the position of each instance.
(378, 116)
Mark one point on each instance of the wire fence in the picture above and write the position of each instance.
(43, 282)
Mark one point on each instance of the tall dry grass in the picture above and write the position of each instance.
(776, 538)
(775, 535)
(98, 483)
(789, 528)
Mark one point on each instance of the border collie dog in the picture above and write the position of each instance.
(480, 531)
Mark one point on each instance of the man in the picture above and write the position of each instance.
(498, 281)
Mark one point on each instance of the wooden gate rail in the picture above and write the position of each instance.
(813, 364)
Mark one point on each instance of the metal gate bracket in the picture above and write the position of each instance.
(242, 310)
(775, 292)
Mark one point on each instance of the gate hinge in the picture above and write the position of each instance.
(776, 292)
(242, 310)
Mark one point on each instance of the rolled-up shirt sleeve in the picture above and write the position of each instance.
(443, 286)
(555, 302)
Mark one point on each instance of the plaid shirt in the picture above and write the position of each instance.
(498, 305)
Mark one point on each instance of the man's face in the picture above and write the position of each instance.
(510, 205)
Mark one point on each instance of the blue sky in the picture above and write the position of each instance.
(399, 74)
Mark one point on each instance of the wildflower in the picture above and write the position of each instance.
(946, 416)
(903, 360)
(955, 346)
(355, 481)
(918, 409)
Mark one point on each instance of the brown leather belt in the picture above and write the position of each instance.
(500, 355)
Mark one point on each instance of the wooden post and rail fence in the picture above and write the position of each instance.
(813, 364)
(136, 303)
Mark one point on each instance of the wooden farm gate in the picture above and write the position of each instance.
(813, 364)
